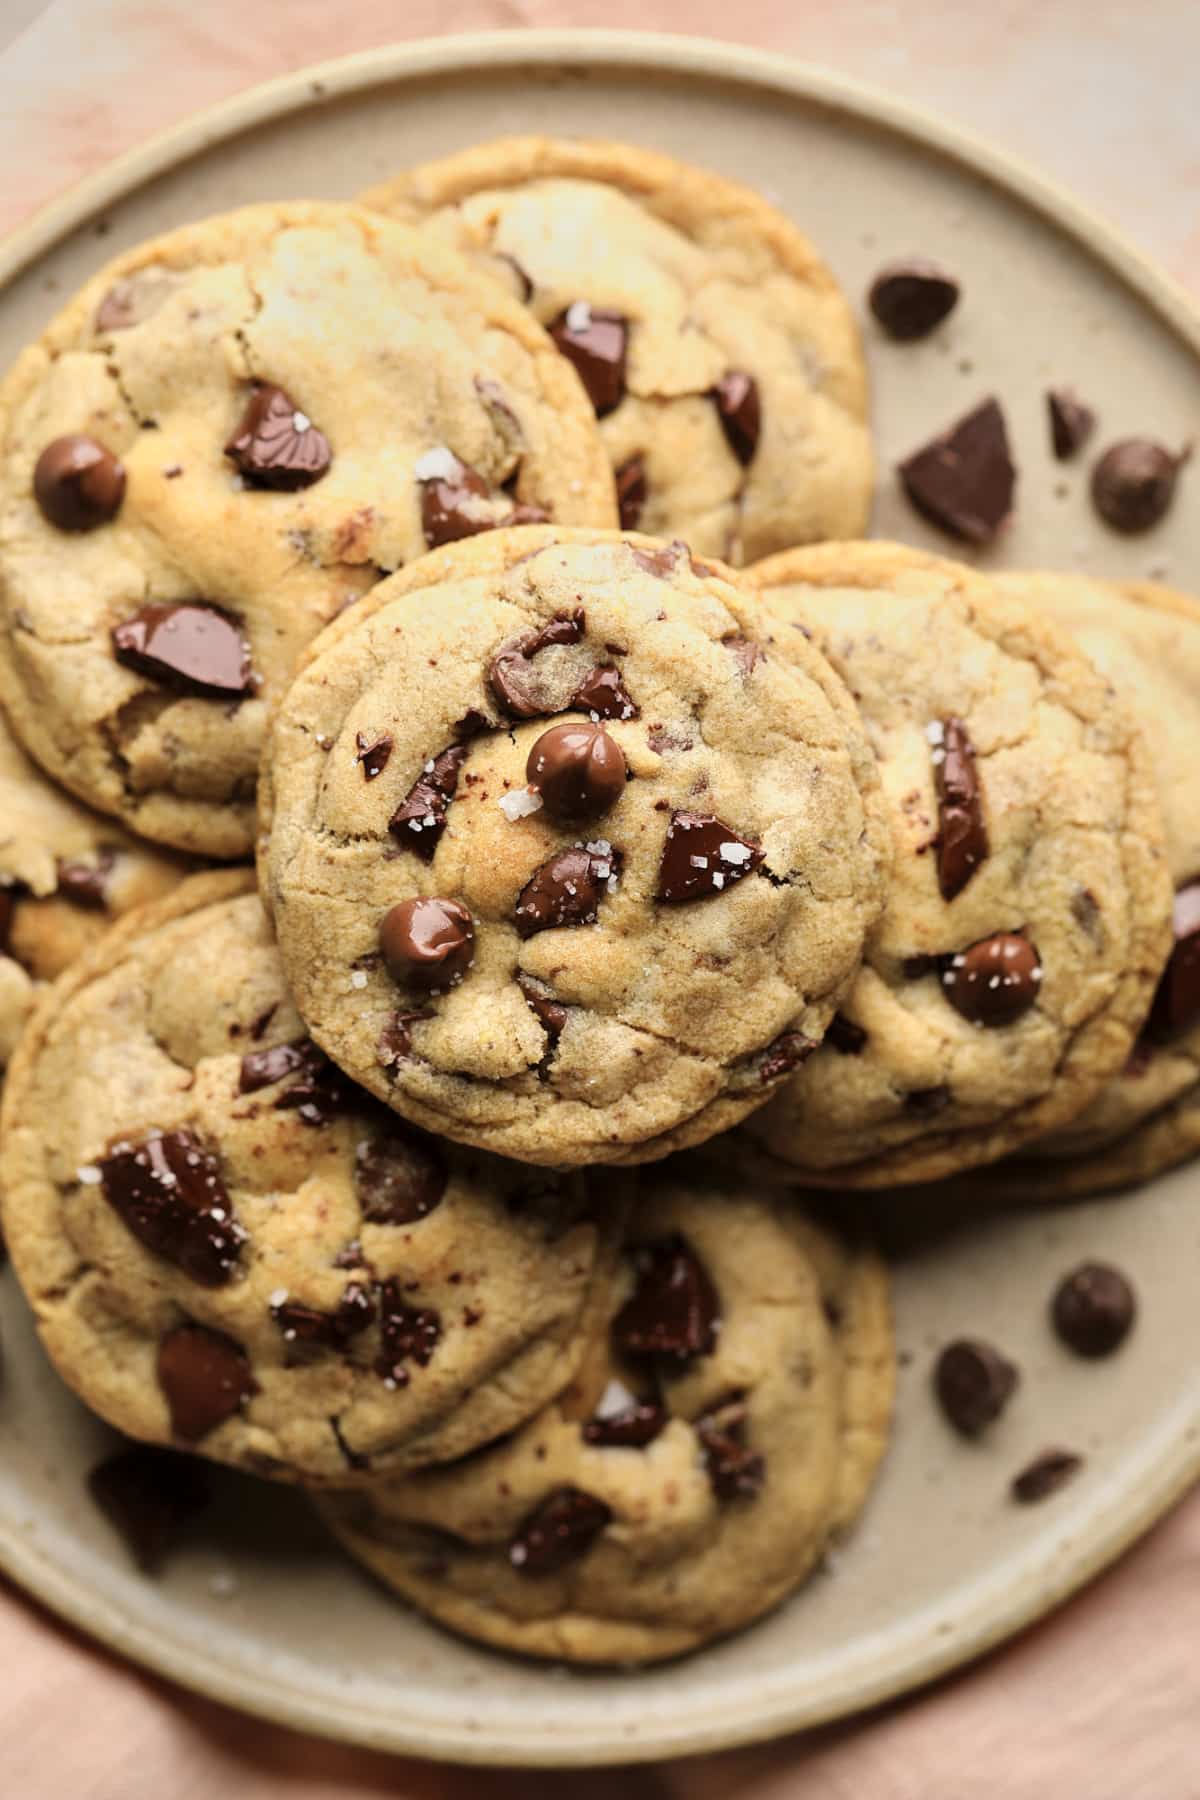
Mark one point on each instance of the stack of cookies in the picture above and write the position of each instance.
(485, 561)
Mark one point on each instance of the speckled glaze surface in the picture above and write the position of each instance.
(943, 1565)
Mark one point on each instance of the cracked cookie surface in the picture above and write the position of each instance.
(722, 358)
(228, 1247)
(223, 440)
(728, 1425)
(567, 985)
(1026, 924)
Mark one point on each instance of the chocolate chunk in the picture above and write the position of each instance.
(926, 1101)
(911, 298)
(149, 1495)
(561, 1529)
(596, 342)
(1045, 1475)
(455, 499)
(205, 1378)
(550, 1015)
(1071, 422)
(974, 1383)
(632, 1428)
(472, 724)
(734, 1472)
(277, 445)
(740, 412)
(784, 1054)
(844, 1036)
(169, 1193)
(994, 981)
(962, 841)
(512, 677)
(400, 1176)
(428, 943)
(307, 1331)
(579, 771)
(420, 819)
(661, 563)
(373, 755)
(673, 1311)
(745, 653)
(408, 1334)
(193, 647)
(7, 905)
(78, 484)
(1093, 1309)
(262, 1068)
(701, 856)
(395, 1040)
(86, 883)
(603, 693)
(1177, 997)
(320, 1091)
(964, 479)
(1133, 484)
(631, 491)
(567, 889)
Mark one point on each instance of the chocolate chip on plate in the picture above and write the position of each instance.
(77, 483)
(1093, 1309)
(701, 856)
(1071, 422)
(993, 982)
(560, 1529)
(596, 341)
(579, 771)
(372, 754)
(739, 409)
(169, 1192)
(1133, 484)
(567, 889)
(962, 842)
(408, 1334)
(420, 819)
(428, 942)
(1045, 1475)
(205, 1378)
(963, 480)
(191, 646)
(1177, 997)
(603, 693)
(276, 444)
(149, 1495)
(86, 883)
(912, 297)
(400, 1176)
(974, 1383)
(512, 676)
(456, 501)
(673, 1312)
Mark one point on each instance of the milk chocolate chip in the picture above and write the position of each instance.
(562, 1528)
(964, 480)
(420, 819)
(78, 484)
(911, 298)
(740, 412)
(192, 646)
(596, 342)
(1093, 1309)
(994, 981)
(673, 1311)
(579, 771)
(428, 943)
(974, 1383)
(512, 676)
(205, 1378)
(962, 842)
(276, 445)
(567, 889)
(701, 856)
(1133, 484)
(168, 1191)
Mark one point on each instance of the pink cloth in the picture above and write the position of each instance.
(1101, 1701)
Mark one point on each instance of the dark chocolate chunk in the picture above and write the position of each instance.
(993, 982)
(844, 1036)
(149, 1495)
(673, 1311)
(632, 1428)
(408, 1334)
(962, 841)
(428, 943)
(964, 480)
(579, 771)
(86, 883)
(321, 1092)
(420, 819)
(192, 646)
(745, 653)
(740, 412)
(567, 889)
(512, 677)
(205, 1378)
(1071, 422)
(372, 754)
(911, 298)
(631, 491)
(169, 1193)
(78, 484)
(395, 1040)
(307, 1331)
(1177, 997)
(400, 1176)
(661, 563)
(596, 341)
(784, 1054)
(603, 693)
(561, 1529)
(1045, 1475)
(734, 1471)
(1133, 484)
(551, 1016)
(455, 501)
(701, 856)
(262, 1068)
(1093, 1309)
(276, 445)
(974, 1383)
(472, 724)
(7, 905)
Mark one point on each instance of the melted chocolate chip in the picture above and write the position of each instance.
(1045, 1475)
(964, 479)
(276, 445)
(962, 841)
(428, 943)
(205, 1378)
(566, 890)
(307, 1331)
(910, 299)
(395, 1040)
(734, 1471)
(420, 819)
(373, 754)
(78, 484)
(561, 1529)
(193, 647)
(673, 1312)
(701, 856)
(784, 1054)
(408, 1334)
(994, 981)
(512, 677)
(550, 1015)
(603, 692)
(740, 411)
(455, 502)
(1093, 1309)
(262, 1068)
(1133, 484)
(86, 883)
(169, 1193)
(472, 724)
(844, 1036)
(974, 1383)
(400, 1176)
(1177, 997)
(1071, 422)
(632, 1428)
(631, 491)
(596, 342)
(745, 653)
(149, 1495)
(579, 771)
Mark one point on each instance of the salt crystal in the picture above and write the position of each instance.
(736, 853)
(89, 1175)
(579, 316)
(520, 803)
(277, 1297)
(438, 464)
(358, 979)
(616, 1398)
(301, 421)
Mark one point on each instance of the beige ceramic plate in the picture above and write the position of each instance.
(262, 1613)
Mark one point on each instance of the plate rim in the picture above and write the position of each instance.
(1119, 1524)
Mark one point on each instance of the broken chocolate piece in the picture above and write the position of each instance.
(567, 889)
(962, 841)
(844, 1036)
(603, 693)
(673, 1312)
(191, 646)
(512, 677)
(1071, 422)
(276, 445)
(307, 1331)
(964, 480)
(740, 411)
(911, 298)
(420, 819)
(631, 491)
(205, 1378)
(550, 1015)
(1177, 997)
(1045, 1475)
(596, 341)
(562, 1528)
(734, 1471)
(168, 1191)
(372, 754)
(408, 1334)
(701, 856)
(632, 1428)
(86, 883)
(784, 1054)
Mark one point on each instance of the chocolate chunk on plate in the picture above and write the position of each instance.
(1045, 1475)
(964, 480)
(911, 298)
(1071, 422)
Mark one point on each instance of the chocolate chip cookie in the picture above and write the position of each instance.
(226, 438)
(229, 1247)
(1026, 925)
(569, 857)
(721, 357)
(730, 1422)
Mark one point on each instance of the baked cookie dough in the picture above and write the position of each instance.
(222, 441)
(722, 359)
(228, 1247)
(568, 856)
(730, 1424)
(1027, 919)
